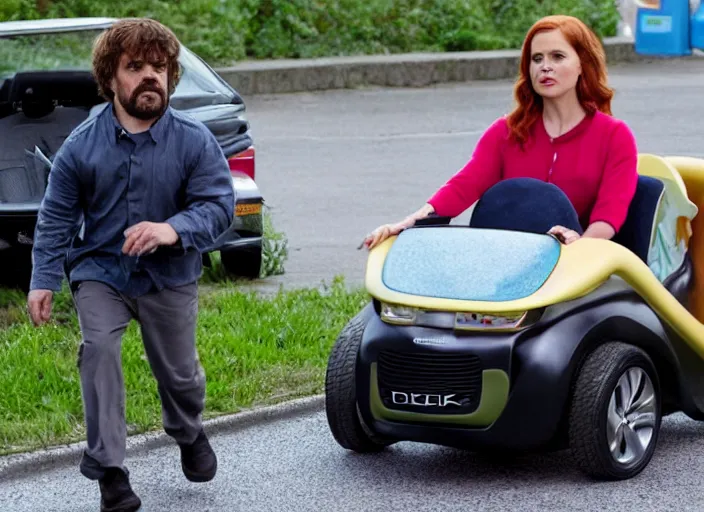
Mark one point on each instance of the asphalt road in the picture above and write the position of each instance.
(335, 165)
(295, 466)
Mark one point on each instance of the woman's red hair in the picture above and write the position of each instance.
(592, 91)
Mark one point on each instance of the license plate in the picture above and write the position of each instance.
(248, 209)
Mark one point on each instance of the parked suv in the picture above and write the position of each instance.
(47, 90)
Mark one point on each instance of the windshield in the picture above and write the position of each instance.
(65, 51)
(469, 264)
(70, 51)
(197, 78)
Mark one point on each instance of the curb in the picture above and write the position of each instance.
(398, 70)
(16, 466)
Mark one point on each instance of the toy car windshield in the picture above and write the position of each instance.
(469, 264)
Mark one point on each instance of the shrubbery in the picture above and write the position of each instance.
(224, 31)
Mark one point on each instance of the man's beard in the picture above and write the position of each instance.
(144, 112)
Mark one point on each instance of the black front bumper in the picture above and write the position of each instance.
(474, 390)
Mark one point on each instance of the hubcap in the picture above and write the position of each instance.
(631, 416)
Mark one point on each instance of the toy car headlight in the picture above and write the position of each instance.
(482, 321)
(397, 314)
(461, 321)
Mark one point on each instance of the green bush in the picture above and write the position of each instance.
(224, 31)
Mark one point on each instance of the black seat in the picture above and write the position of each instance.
(527, 204)
(637, 229)
(524, 204)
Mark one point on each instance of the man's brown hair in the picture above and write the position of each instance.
(141, 38)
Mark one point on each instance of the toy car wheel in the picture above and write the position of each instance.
(615, 414)
(244, 262)
(341, 407)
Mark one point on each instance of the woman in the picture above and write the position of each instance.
(560, 133)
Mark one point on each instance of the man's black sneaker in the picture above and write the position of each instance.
(116, 494)
(198, 460)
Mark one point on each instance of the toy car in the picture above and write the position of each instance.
(47, 90)
(502, 340)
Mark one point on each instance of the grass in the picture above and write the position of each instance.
(254, 351)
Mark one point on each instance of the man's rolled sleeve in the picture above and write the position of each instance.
(210, 198)
(57, 222)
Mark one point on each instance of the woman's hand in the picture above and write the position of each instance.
(382, 233)
(564, 235)
(385, 231)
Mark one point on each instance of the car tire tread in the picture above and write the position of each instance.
(587, 416)
(242, 263)
(340, 392)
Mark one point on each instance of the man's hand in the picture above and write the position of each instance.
(146, 237)
(39, 306)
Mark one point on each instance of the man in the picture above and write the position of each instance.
(153, 190)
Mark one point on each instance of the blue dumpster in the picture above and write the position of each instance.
(663, 27)
(697, 28)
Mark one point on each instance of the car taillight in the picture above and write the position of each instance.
(243, 162)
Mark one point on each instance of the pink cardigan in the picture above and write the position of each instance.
(595, 164)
